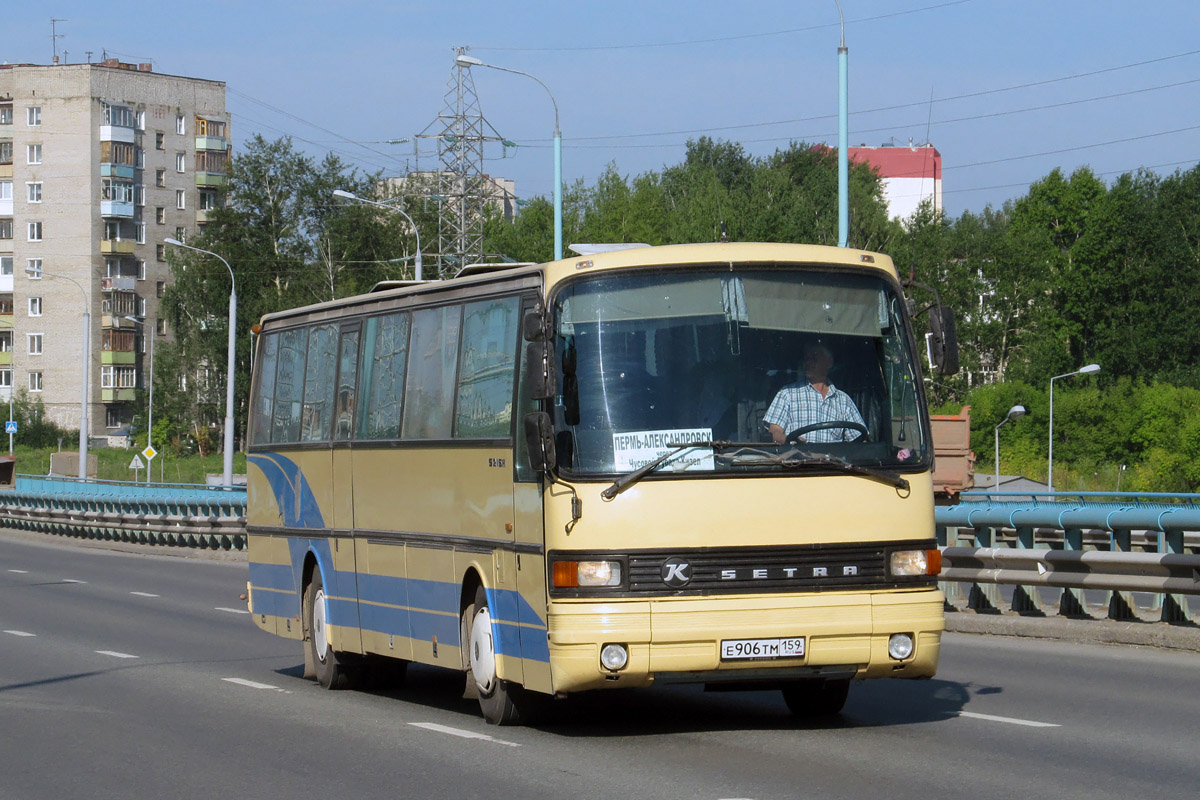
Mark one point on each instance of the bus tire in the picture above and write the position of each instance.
(811, 699)
(500, 701)
(331, 672)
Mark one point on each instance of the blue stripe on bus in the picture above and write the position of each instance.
(294, 497)
(407, 607)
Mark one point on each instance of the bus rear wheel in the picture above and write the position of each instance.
(502, 702)
(332, 673)
(813, 699)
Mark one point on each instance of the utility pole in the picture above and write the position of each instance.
(460, 187)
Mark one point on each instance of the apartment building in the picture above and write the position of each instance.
(911, 175)
(99, 163)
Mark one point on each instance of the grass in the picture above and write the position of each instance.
(113, 465)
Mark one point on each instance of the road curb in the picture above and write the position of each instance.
(1085, 631)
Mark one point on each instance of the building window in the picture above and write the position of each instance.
(107, 376)
(181, 234)
(160, 215)
(33, 116)
(6, 114)
(118, 115)
(141, 307)
(33, 268)
(6, 378)
(35, 381)
(160, 326)
(6, 151)
(179, 124)
(180, 198)
(160, 178)
(35, 343)
(141, 232)
(210, 127)
(158, 286)
(35, 306)
(139, 158)
(6, 265)
(158, 141)
(6, 229)
(160, 252)
(180, 162)
(139, 195)
(34, 230)
(6, 190)
(33, 154)
(34, 191)
(118, 153)
(6, 340)
(139, 119)
(208, 199)
(141, 264)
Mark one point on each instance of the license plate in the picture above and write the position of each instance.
(749, 649)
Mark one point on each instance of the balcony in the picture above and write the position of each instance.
(109, 169)
(5, 358)
(6, 207)
(118, 284)
(114, 247)
(116, 133)
(216, 180)
(211, 143)
(6, 287)
(119, 209)
(6, 170)
(119, 357)
(117, 395)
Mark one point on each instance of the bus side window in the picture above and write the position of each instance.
(384, 354)
(432, 362)
(343, 420)
(316, 416)
(486, 372)
(289, 386)
(265, 390)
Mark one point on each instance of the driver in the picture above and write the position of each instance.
(813, 400)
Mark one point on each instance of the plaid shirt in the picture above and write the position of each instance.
(799, 404)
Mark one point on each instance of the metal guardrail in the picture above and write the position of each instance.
(1120, 543)
(154, 514)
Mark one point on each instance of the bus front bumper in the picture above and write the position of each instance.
(678, 640)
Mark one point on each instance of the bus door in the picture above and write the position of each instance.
(342, 499)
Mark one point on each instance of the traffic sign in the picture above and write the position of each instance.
(10, 427)
(149, 452)
(136, 463)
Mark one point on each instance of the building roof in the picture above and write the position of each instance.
(901, 162)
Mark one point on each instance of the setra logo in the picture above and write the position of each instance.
(676, 572)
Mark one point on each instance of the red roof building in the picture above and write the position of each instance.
(910, 175)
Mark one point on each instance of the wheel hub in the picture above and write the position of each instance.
(320, 636)
(483, 653)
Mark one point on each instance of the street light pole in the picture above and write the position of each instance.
(843, 135)
(468, 61)
(150, 412)
(1016, 412)
(1088, 370)
(87, 334)
(227, 477)
(342, 193)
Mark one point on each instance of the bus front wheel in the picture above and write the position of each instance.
(816, 698)
(332, 673)
(500, 701)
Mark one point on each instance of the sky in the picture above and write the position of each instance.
(1006, 90)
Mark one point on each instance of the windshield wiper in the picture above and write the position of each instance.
(625, 481)
(801, 458)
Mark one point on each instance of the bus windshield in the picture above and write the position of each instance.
(773, 360)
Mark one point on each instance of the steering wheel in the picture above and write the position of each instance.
(823, 426)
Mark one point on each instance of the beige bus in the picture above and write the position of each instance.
(687, 464)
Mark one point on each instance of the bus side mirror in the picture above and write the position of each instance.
(539, 370)
(539, 439)
(535, 326)
(943, 344)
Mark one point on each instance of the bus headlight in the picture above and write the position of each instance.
(614, 657)
(915, 562)
(573, 574)
(900, 646)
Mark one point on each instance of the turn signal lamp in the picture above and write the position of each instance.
(580, 574)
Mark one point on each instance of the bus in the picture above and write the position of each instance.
(572, 476)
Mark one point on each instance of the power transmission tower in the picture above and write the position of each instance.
(460, 187)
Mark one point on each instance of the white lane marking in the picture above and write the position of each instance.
(144, 594)
(72, 580)
(20, 571)
(115, 654)
(1029, 723)
(254, 684)
(20, 633)
(433, 726)
(232, 610)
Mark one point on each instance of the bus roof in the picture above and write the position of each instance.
(665, 255)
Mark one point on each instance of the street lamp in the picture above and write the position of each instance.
(1016, 412)
(227, 478)
(87, 333)
(150, 413)
(342, 193)
(464, 60)
(1088, 370)
(843, 135)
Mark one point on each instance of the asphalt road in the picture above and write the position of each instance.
(136, 676)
